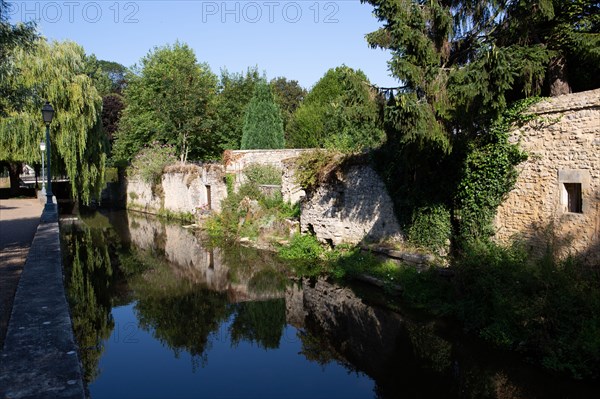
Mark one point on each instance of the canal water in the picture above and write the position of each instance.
(158, 313)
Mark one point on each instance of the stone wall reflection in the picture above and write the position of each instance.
(190, 259)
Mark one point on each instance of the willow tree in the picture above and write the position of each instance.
(54, 72)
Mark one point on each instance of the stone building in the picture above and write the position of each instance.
(556, 199)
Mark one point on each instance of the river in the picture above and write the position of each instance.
(158, 313)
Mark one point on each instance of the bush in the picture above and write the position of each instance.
(262, 174)
(431, 228)
(149, 163)
(314, 167)
(547, 308)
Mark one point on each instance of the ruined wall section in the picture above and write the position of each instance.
(236, 161)
(183, 189)
(558, 189)
(350, 208)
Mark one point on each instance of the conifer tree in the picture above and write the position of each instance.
(263, 126)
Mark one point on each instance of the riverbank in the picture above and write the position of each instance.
(40, 357)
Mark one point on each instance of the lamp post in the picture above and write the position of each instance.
(48, 114)
(43, 149)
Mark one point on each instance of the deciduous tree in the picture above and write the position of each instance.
(341, 111)
(288, 95)
(169, 98)
(54, 72)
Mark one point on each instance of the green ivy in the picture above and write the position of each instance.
(489, 174)
(431, 227)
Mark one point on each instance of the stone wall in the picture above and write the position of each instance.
(236, 161)
(352, 207)
(563, 144)
(183, 189)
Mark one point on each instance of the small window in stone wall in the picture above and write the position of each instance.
(574, 199)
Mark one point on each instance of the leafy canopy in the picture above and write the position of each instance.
(54, 72)
(12, 38)
(169, 98)
(235, 92)
(340, 112)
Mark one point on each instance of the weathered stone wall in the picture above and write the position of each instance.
(563, 144)
(236, 161)
(351, 208)
(183, 189)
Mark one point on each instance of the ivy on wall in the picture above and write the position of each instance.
(489, 174)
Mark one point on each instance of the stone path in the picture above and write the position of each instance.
(19, 219)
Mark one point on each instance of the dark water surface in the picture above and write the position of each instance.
(158, 314)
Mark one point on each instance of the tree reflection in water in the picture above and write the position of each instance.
(184, 295)
(90, 282)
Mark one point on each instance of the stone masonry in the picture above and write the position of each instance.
(557, 195)
(237, 160)
(354, 207)
(184, 189)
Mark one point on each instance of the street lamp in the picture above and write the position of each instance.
(43, 149)
(48, 114)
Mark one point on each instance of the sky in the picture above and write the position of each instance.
(299, 40)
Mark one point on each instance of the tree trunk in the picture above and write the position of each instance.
(14, 170)
(557, 74)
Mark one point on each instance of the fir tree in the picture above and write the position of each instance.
(263, 126)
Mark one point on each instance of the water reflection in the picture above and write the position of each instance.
(140, 289)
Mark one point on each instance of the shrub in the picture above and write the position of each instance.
(262, 174)
(549, 309)
(314, 167)
(431, 228)
(149, 163)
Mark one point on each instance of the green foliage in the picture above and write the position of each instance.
(13, 38)
(262, 174)
(263, 126)
(55, 72)
(169, 98)
(149, 163)
(108, 76)
(235, 92)
(340, 112)
(431, 228)
(302, 247)
(313, 167)
(288, 95)
(249, 213)
(229, 182)
(546, 308)
(489, 174)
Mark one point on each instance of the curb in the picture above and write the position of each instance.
(40, 358)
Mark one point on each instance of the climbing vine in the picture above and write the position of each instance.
(489, 173)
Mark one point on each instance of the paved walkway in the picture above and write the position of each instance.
(19, 219)
(39, 359)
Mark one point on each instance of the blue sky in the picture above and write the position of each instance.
(297, 39)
